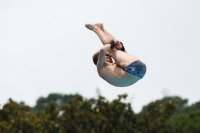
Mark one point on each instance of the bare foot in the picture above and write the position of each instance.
(91, 26)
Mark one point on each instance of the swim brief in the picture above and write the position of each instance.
(137, 68)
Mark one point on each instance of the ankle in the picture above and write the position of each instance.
(96, 28)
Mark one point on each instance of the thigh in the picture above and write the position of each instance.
(121, 58)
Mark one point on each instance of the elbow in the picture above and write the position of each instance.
(102, 50)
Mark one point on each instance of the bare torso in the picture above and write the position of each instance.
(116, 76)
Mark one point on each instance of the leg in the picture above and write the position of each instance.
(121, 58)
(119, 45)
(98, 29)
(105, 31)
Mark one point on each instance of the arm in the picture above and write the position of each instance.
(102, 54)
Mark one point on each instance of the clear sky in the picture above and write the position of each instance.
(45, 48)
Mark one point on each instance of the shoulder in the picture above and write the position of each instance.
(102, 70)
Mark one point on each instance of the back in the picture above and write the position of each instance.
(116, 76)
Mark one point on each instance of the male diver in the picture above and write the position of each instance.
(125, 70)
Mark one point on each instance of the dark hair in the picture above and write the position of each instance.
(95, 57)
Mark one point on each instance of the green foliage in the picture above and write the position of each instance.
(193, 107)
(58, 99)
(179, 121)
(97, 116)
(80, 115)
(154, 118)
(179, 102)
(185, 122)
(12, 117)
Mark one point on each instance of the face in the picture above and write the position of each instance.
(108, 58)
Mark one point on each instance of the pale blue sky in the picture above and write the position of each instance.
(45, 48)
